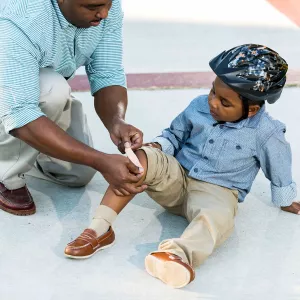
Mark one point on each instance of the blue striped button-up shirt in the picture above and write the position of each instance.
(35, 35)
(231, 154)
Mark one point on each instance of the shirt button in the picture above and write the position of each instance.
(196, 170)
(238, 147)
(211, 141)
(221, 126)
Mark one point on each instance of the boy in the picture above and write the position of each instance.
(206, 162)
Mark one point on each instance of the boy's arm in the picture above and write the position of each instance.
(173, 138)
(276, 162)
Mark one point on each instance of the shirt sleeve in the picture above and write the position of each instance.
(19, 79)
(173, 138)
(106, 68)
(276, 163)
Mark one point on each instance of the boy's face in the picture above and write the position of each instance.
(225, 104)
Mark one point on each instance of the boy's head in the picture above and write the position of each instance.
(247, 76)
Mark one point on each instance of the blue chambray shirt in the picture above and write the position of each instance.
(35, 35)
(231, 154)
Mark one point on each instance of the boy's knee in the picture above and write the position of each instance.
(54, 93)
(142, 157)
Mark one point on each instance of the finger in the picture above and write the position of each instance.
(124, 192)
(137, 141)
(297, 207)
(133, 168)
(142, 188)
(117, 192)
(121, 147)
(131, 178)
(126, 141)
(133, 189)
(290, 209)
(131, 155)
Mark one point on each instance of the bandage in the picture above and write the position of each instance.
(130, 154)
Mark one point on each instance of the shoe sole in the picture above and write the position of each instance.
(88, 256)
(25, 212)
(171, 273)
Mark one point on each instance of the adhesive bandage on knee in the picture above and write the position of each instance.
(130, 154)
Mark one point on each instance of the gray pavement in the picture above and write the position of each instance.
(260, 261)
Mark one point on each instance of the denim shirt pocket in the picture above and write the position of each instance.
(234, 157)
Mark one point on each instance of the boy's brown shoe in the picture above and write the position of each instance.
(87, 244)
(169, 268)
(17, 202)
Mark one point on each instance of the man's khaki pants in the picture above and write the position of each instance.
(210, 209)
(17, 158)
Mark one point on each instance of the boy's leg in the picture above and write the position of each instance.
(210, 209)
(157, 168)
(99, 234)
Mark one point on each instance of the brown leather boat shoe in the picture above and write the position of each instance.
(87, 244)
(17, 202)
(169, 268)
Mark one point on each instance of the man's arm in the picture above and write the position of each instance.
(45, 136)
(108, 82)
(22, 117)
(110, 105)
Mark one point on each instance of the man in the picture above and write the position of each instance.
(42, 44)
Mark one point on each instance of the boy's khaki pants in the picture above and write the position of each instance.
(210, 209)
(17, 158)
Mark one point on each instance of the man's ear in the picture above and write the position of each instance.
(253, 110)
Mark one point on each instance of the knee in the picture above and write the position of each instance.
(142, 157)
(54, 93)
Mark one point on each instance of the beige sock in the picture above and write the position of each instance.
(103, 219)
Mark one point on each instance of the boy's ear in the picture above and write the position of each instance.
(253, 109)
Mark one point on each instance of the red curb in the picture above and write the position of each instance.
(291, 8)
(178, 80)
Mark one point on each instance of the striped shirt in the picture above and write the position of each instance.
(35, 35)
(231, 154)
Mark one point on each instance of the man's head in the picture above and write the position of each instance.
(251, 73)
(85, 13)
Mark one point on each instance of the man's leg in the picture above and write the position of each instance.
(73, 121)
(17, 158)
(210, 209)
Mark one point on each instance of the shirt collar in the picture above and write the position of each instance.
(251, 122)
(62, 20)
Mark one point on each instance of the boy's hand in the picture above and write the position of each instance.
(153, 145)
(294, 208)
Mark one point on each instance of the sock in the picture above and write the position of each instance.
(103, 219)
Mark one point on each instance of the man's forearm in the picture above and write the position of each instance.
(111, 105)
(45, 136)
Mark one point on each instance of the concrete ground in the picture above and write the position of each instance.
(259, 261)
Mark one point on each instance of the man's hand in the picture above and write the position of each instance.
(294, 208)
(122, 133)
(153, 145)
(121, 174)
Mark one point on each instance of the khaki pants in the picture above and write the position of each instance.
(17, 158)
(210, 209)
